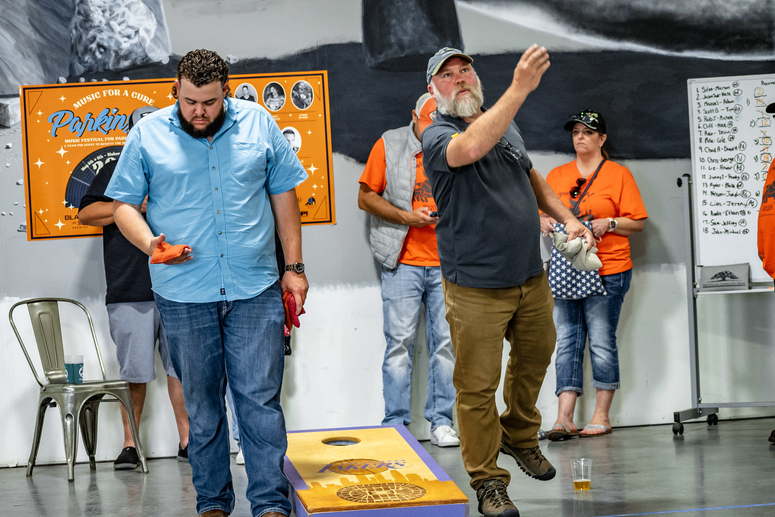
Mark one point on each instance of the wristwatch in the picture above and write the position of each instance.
(613, 224)
(297, 268)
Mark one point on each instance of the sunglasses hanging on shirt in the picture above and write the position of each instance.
(574, 191)
(512, 150)
(576, 200)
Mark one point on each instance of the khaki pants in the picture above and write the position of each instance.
(479, 320)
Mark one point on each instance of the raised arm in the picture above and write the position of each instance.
(489, 127)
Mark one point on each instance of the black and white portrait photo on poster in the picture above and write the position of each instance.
(294, 138)
(245, 92)
(274, 96)
(301, 95)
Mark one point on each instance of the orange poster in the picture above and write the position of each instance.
(70, 131)
(298, 101)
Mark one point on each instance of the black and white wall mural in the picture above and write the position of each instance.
(42, 41)
(634, 60)
(729, 29)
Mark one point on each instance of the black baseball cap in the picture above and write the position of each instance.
(590, 118)
(771, 108)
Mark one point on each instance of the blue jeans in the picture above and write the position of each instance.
(597, 316)
(244, 340)
(234, 422)
(404, 289)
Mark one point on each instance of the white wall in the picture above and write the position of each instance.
(333, 378)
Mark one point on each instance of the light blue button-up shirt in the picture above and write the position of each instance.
(213, 197)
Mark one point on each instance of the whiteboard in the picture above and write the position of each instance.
(731, 152)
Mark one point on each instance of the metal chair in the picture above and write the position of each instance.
(78, 403)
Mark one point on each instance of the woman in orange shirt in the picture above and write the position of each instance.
(604, 193)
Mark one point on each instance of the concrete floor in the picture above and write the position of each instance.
(721, 471)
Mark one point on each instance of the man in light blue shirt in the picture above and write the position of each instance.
(220, 177)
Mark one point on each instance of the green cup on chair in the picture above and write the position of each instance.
(74, 368)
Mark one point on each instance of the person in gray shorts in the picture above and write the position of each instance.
(134, 320)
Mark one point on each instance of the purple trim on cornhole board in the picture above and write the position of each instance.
(298, 483)
(339, 429)
(443, 510)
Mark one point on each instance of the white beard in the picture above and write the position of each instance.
(464, 107)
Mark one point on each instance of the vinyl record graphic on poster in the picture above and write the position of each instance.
(85, 172)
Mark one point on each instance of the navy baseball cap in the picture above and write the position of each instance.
(592, 119)
(439, 58)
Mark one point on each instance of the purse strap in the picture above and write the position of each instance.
(574, 205)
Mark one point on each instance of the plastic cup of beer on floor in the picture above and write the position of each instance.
(74, 368)
(581, 468)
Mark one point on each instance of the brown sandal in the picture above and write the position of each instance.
(560, 432)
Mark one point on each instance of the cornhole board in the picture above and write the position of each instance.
(368, 472)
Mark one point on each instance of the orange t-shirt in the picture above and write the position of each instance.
(612, 194)
(765, 234)
(420, 244)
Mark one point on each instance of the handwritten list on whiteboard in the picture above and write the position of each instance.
(731, 152)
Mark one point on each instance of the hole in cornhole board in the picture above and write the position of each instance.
(341, 441)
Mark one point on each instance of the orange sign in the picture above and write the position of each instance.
(70, 131)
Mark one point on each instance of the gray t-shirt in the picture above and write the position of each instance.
(488, 229)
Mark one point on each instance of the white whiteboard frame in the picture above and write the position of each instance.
(757, 271)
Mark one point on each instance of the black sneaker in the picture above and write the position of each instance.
(183, 453)
(494, 499)
(127, 460)
(531, 461)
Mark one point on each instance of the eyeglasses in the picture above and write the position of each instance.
(574, 191)
(513, 151)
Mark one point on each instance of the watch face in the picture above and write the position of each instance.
(298, 267)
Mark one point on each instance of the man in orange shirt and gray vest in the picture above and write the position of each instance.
(766, 228)
(396, 192)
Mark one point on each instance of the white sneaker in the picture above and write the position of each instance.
(240, 458)
(444, 436)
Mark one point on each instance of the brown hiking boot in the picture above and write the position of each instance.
(494, 499)
(531, 461)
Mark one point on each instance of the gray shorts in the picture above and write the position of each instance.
(134, 327)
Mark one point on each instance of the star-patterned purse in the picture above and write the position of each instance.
(567, 282)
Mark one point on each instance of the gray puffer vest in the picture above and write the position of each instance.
(401, 150)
